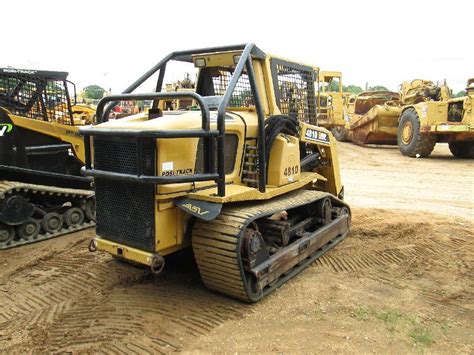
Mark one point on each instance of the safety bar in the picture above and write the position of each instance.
(152, 96)
(245, 62)
(140, 135)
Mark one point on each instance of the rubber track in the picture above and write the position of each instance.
(216, 243)
(8, 188)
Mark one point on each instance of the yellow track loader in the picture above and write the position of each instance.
(245, 181)
(42, 194)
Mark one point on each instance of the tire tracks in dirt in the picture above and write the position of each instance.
(398, 262)
(78, 301)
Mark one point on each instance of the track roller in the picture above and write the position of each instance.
(52, 222)
(29, 230)
(7, 233)
(73, 217)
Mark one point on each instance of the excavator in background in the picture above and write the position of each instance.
(245, 181)
(42, 193)
(415, 119)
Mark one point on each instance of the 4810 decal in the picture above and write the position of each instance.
(291, 170)
(315, 135)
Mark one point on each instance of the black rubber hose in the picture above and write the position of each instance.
(275, 125)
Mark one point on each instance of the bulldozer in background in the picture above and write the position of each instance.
(415, 119)
(245, 180)
(184, 103)
(42, 193)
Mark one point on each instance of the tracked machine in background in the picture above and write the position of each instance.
(42, 194)
(245, 180)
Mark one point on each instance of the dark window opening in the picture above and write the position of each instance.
(231, 142)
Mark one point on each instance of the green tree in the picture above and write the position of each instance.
(353, 89)
(93, 92)
(378, 88)
(460, 94)
(333, 85)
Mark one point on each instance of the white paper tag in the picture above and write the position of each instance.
(166, 166)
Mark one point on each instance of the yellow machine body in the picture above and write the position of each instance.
(453, 116)
(301, 162)
(64, 132)
(332, 100)
(373, 117)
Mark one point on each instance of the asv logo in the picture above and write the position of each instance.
(5, 128)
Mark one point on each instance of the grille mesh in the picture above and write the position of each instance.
(242, 95)
(35, 97)
(125, 211)
(120, 155)
(294, 86)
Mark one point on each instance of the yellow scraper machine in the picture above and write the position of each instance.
(245, 180)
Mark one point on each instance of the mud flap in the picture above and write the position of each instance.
(200, 209)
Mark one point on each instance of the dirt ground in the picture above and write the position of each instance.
(401, 282)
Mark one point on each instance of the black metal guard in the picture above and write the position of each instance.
(140, 135)
(245, 63)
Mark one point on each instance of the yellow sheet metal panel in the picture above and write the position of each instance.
(432, 112)
(66, 133)
(129, 253)
(176, 156)
(326, 144)
(284, 164)
(236, 193)
(165, 228)
(452, 128)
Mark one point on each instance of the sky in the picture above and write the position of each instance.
(111, 43)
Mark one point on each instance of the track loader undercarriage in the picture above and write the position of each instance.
(251, 249)
(31, 212)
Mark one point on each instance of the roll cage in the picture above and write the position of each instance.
(210, 136)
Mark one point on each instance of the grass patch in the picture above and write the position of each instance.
(361, 313)
(320, 315)
(421, 335)
(390, 318)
